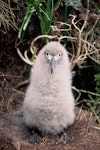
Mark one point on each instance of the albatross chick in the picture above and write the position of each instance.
(49, 103)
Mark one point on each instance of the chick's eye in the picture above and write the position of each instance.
(46, 53)
(59, 54)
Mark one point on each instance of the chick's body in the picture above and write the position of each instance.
(49, 103)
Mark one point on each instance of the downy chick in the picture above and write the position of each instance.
(49, 104)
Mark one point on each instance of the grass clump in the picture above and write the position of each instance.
(7, 17)
(44, 10)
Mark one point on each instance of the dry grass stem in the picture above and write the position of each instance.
(25, 57)
(22, 83)
(94, 59)
(10, 102)
(55, 28)
(95, 127)
(43, 36)
(11, 12)
(87, 34)
(19, 92)
(80, 31)
(67, 37)
(7, 17)
(79, 91)
(97, 117)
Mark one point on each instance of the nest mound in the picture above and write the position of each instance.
(14, 135)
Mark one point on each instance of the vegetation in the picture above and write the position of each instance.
(7, 17)
(82, 48)
(44, 10)
(97, 7)
(94, 102)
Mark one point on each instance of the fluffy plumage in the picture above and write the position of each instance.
(49, 103)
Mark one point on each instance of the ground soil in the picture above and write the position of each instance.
(13, 73)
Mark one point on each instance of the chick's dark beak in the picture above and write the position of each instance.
(52, 64)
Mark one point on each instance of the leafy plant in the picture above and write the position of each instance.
(44, 9)
(97, 80)
(97, 7)
(94, 102)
